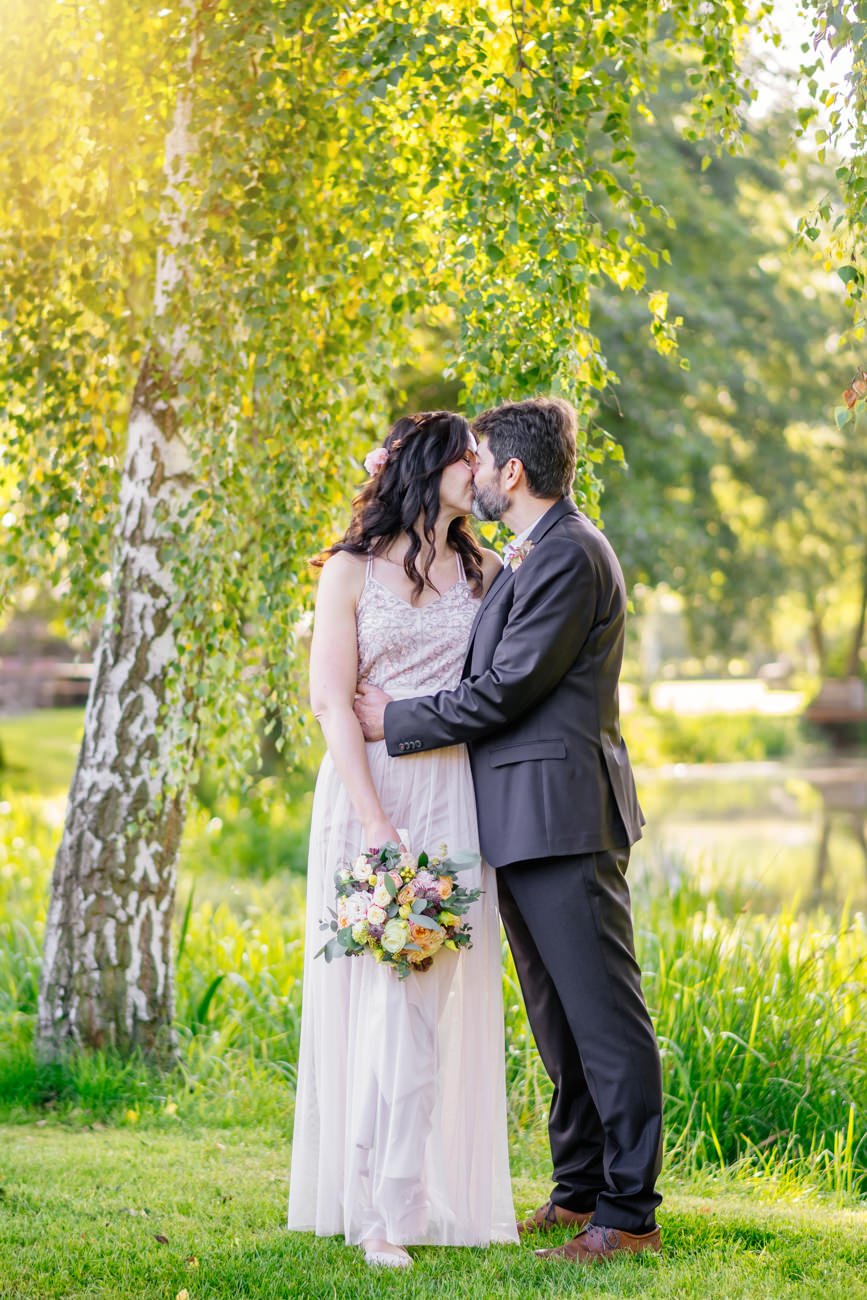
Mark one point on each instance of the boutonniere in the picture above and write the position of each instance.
(515, 556)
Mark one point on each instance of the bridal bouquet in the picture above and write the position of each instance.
(401, 908)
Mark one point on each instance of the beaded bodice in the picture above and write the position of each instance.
(413, 650)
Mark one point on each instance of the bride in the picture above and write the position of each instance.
(400, 1118)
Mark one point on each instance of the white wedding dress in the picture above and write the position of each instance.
(400, 1116)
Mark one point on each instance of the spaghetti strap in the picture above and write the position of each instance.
(368, 573)
(462, 577)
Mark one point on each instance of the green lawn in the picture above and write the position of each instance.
(39, 750)
(83, 1210)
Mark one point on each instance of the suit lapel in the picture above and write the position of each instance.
(565, 507)
(503, 576)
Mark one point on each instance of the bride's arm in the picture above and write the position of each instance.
(333, 676)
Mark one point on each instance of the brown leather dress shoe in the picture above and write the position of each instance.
(595, 1242)
(550, 1216)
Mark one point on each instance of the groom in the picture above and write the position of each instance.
(557, 810)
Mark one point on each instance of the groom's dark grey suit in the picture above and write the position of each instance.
(557, 809)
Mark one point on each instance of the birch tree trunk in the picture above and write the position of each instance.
(107, 973)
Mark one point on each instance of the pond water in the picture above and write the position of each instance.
(768, 833)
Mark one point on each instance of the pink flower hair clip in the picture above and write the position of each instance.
(374, 460)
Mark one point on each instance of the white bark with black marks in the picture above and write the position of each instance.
(107, 975)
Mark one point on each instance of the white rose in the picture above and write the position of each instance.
(376, 915)
(344, 874)
(361, 868)
(395, 935)
(356, 908)
(381, 896)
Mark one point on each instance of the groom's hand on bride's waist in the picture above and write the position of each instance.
(369, 707)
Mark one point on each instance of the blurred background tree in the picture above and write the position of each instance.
(742, 495)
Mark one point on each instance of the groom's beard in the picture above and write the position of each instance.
(489, 504)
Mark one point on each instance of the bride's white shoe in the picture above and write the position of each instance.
(384, 1254)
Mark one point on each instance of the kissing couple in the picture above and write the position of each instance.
(472, 702)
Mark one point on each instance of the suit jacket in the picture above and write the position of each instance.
(538, 704)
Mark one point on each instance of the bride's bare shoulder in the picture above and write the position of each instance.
(343, 572)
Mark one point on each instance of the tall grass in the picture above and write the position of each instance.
(760, 1021)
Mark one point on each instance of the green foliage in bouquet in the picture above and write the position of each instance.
(401, 908)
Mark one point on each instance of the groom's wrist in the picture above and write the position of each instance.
(396, 720)
(391, 740)
(401, 730)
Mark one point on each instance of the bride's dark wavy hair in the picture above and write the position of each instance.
(406, 491)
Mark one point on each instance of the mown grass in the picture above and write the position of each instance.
(84, 1213)
(39, 750)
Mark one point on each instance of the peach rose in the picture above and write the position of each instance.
(444, 884)
(406, 895)
(430, 941)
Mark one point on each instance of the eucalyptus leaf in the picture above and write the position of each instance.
(465, 859)
(426, 922)
(331, 950)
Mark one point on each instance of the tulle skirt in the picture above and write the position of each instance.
(400, 1118)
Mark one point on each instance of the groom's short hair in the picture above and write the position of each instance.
(540, 433)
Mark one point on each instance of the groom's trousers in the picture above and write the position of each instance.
(569, 925)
